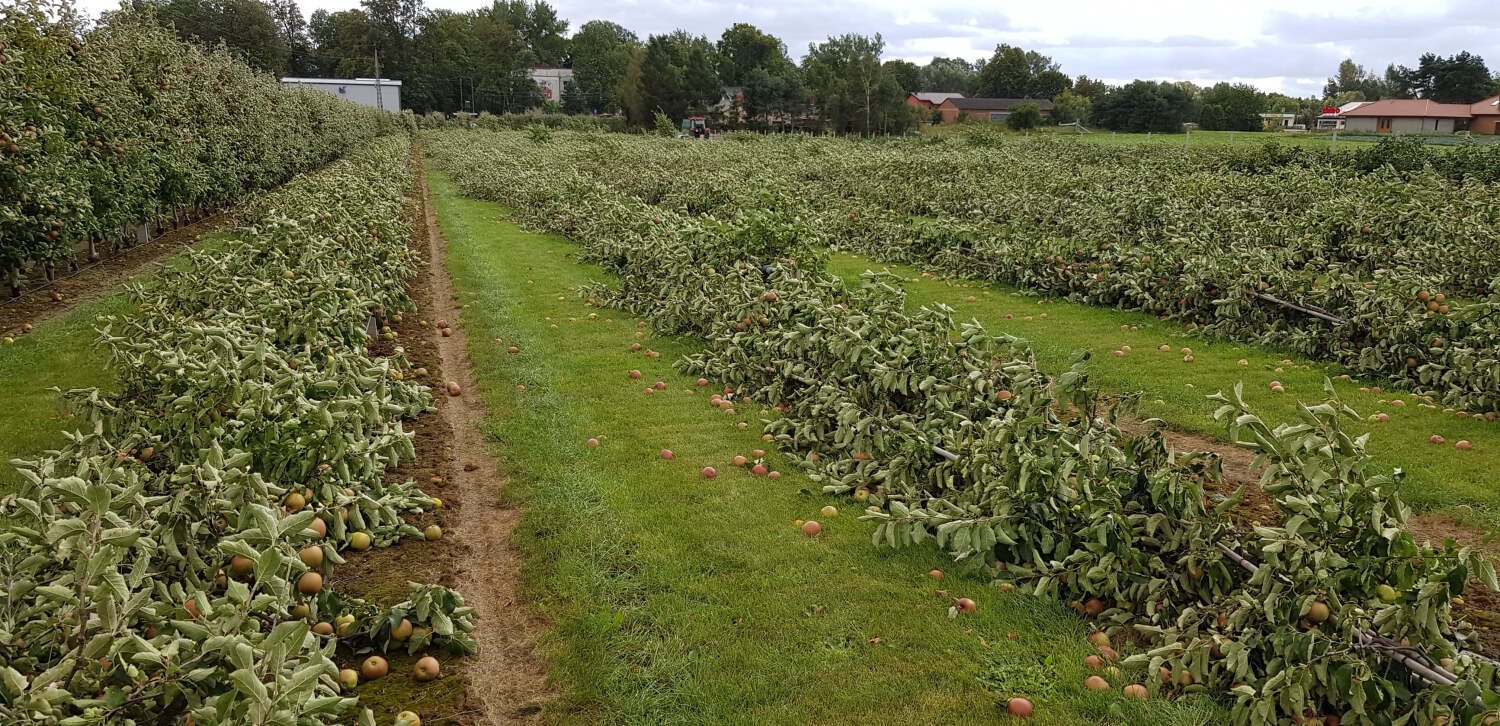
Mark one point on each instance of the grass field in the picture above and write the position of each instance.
(1438, 478)
(58, 354)
(679, 599)
(62, 354)
(1180, 140)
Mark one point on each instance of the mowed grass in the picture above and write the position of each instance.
(1194, 139)
(677, 599)
(60, 353)
(1437, 477)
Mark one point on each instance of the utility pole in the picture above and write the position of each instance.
(379, 102)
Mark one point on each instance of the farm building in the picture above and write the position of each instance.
(381, 93)
(930, 99)
(1409, 115)
(552, 80)
(988, 109)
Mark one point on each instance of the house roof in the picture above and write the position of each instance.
(997, 104)
(1487, 107)
(935, 97)
(1346, 108)
(1412, 108)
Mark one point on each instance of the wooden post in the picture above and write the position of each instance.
(1334, 144)
(1148, 136)
(1231, 138)
(13, 276)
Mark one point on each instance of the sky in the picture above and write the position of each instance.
(1278, 49)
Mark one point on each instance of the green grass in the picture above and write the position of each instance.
(59, 353)
(1438, 478)
(1194, 140)
(679, 599)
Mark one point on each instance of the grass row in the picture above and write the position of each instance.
(58, 354)
(681, 599)
(1193, 139)
(61, 353)
(1438, 477)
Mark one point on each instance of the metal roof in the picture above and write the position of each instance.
(935, 97)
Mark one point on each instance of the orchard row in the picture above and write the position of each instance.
(125, 124)
(951, 435)
(1388, 272)
(172, 556)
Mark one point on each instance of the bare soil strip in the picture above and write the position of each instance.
(507, 676)
(36, 306)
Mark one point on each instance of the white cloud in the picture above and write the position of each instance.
(1276, 49)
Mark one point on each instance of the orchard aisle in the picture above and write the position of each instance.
(507, 676)
(1439, 479)
(674, 598)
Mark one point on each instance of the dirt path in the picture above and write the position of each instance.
(36, 305)
(507, 676)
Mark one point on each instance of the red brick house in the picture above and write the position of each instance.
(1486, 116)
(930, 99)
(988, 109)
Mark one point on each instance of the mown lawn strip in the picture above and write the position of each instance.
(678, 599)
(1438, 477)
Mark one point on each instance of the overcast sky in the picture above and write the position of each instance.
(1288, 50)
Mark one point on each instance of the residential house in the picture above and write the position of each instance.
(930, 99)
(1409, 115)
(1277, 120)
(988, 109)
(1486, 115)
(730, 98)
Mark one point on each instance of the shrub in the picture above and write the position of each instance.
(1024, 116)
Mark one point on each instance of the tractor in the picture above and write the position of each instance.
(695, 128)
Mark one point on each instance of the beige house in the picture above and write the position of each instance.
(1409, 116)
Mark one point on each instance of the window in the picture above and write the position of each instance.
(999, 115)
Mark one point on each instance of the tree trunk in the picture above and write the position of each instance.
(13, 276)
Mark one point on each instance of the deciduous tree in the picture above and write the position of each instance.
(599, 53)
(1142, 106)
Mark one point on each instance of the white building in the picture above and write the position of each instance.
(1334, 119)
(382, 93)
(552, 81)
